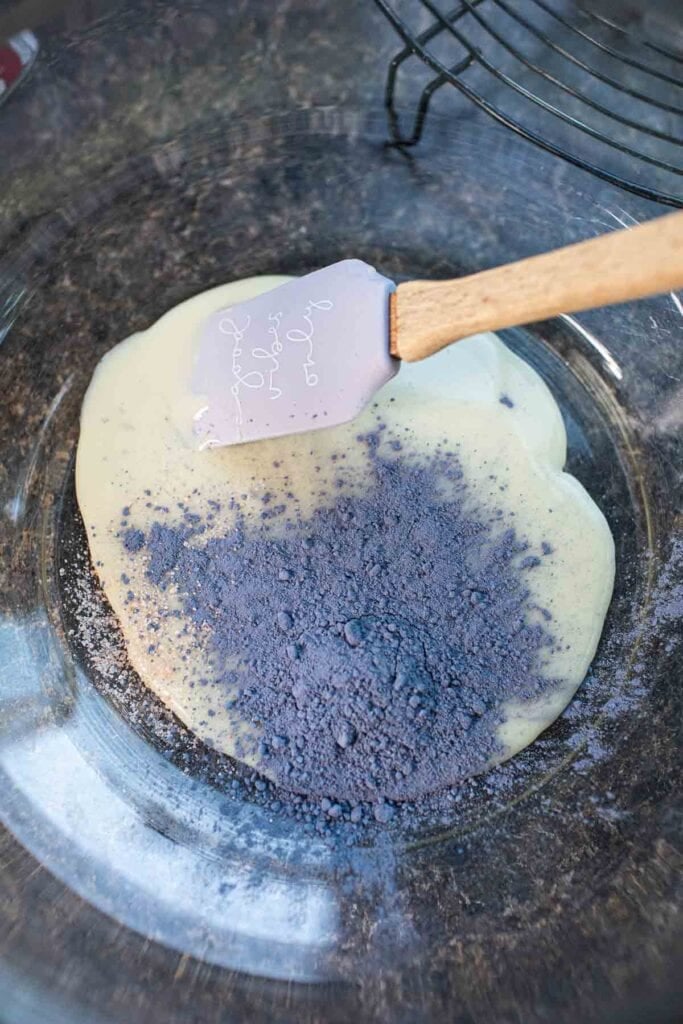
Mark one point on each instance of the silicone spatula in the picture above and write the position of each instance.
(313, 352)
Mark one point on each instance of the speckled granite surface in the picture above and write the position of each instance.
(113, 78)
(145, 72)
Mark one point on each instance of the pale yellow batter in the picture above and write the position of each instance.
(137, 450)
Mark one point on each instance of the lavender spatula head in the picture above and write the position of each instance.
(313, 352)
(306, 355)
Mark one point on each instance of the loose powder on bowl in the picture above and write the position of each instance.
(375, 643)
(370, 612)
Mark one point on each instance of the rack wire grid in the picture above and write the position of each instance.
(573, 81)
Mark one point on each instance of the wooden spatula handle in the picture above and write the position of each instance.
(627, 264)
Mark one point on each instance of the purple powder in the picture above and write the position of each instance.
(377, 639)
(133, 540)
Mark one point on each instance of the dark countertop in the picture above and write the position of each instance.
(145, 72)
(113, 78)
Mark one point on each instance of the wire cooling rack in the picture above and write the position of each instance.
(574, 82)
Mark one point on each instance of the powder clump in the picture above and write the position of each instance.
(373, 645)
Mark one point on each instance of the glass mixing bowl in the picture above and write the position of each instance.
(133, 886)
